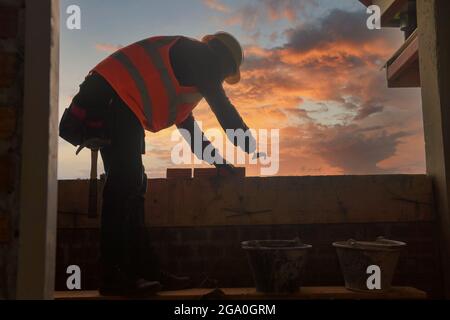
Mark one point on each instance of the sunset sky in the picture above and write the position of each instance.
(312, 69)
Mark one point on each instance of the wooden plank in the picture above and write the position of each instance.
(73, 204)
(403, 70)
(157, 201)
(298, 200)
(273, 200)
(306, 293)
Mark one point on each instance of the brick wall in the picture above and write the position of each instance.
(11, 103)
(192, 234)
(212, 255)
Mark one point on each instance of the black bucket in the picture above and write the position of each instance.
(276, 264)
(355, 258)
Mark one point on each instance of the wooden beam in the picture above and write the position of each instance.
(264, 201)
(305, 293)
(434, 53)
(403, 68)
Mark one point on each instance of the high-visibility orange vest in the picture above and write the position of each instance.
(143, 77)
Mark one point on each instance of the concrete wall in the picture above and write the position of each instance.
(11, 110)
(434, 51)
(191, 233)
(29, 56)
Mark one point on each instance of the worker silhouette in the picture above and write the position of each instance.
(149, 85)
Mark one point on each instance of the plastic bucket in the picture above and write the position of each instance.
(276, 264)
(361, 260)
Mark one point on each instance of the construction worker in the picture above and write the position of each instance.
(149, 85)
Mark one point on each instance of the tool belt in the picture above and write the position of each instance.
(78, 130)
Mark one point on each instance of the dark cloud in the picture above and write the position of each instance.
(367, 110)
(348, 148)
(325, 90)
(289, 9)
(251, 16)
(339, 26)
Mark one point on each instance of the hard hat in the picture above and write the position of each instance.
(234, 47)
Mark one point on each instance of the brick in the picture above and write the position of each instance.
(235, 251)
(255, 233)
(163, 235)
(213, 172)
(227, 234)
(205, 172)
(194, 234)
(240, 172)
(7, 122)
(172, 173)
(6, 174)
(285, 232)
(8, 22)
(211, 251)
(8, 69)
(4, 229)
(182, 251)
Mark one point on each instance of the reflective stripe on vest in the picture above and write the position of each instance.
(151, 49)
(140, 82)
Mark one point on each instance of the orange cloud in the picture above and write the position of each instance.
(216, 5)
(249, 16)
(328, 96)
(108, 48)
(326, 91)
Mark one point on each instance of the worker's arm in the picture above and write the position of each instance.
(194, 130)
(227, 115)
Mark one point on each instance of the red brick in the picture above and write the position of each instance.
(211, 251)
(193, 234)
(173, 173)
(8, 22)
(238, 172)
(224, 234)
(184, 251)
(205, 172)
(7, 122)
(213, 172)
(8, 69)
(4, 229)
(6, 174)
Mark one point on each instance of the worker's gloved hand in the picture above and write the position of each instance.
(225, 169)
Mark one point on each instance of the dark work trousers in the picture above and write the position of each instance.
(124, 241)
